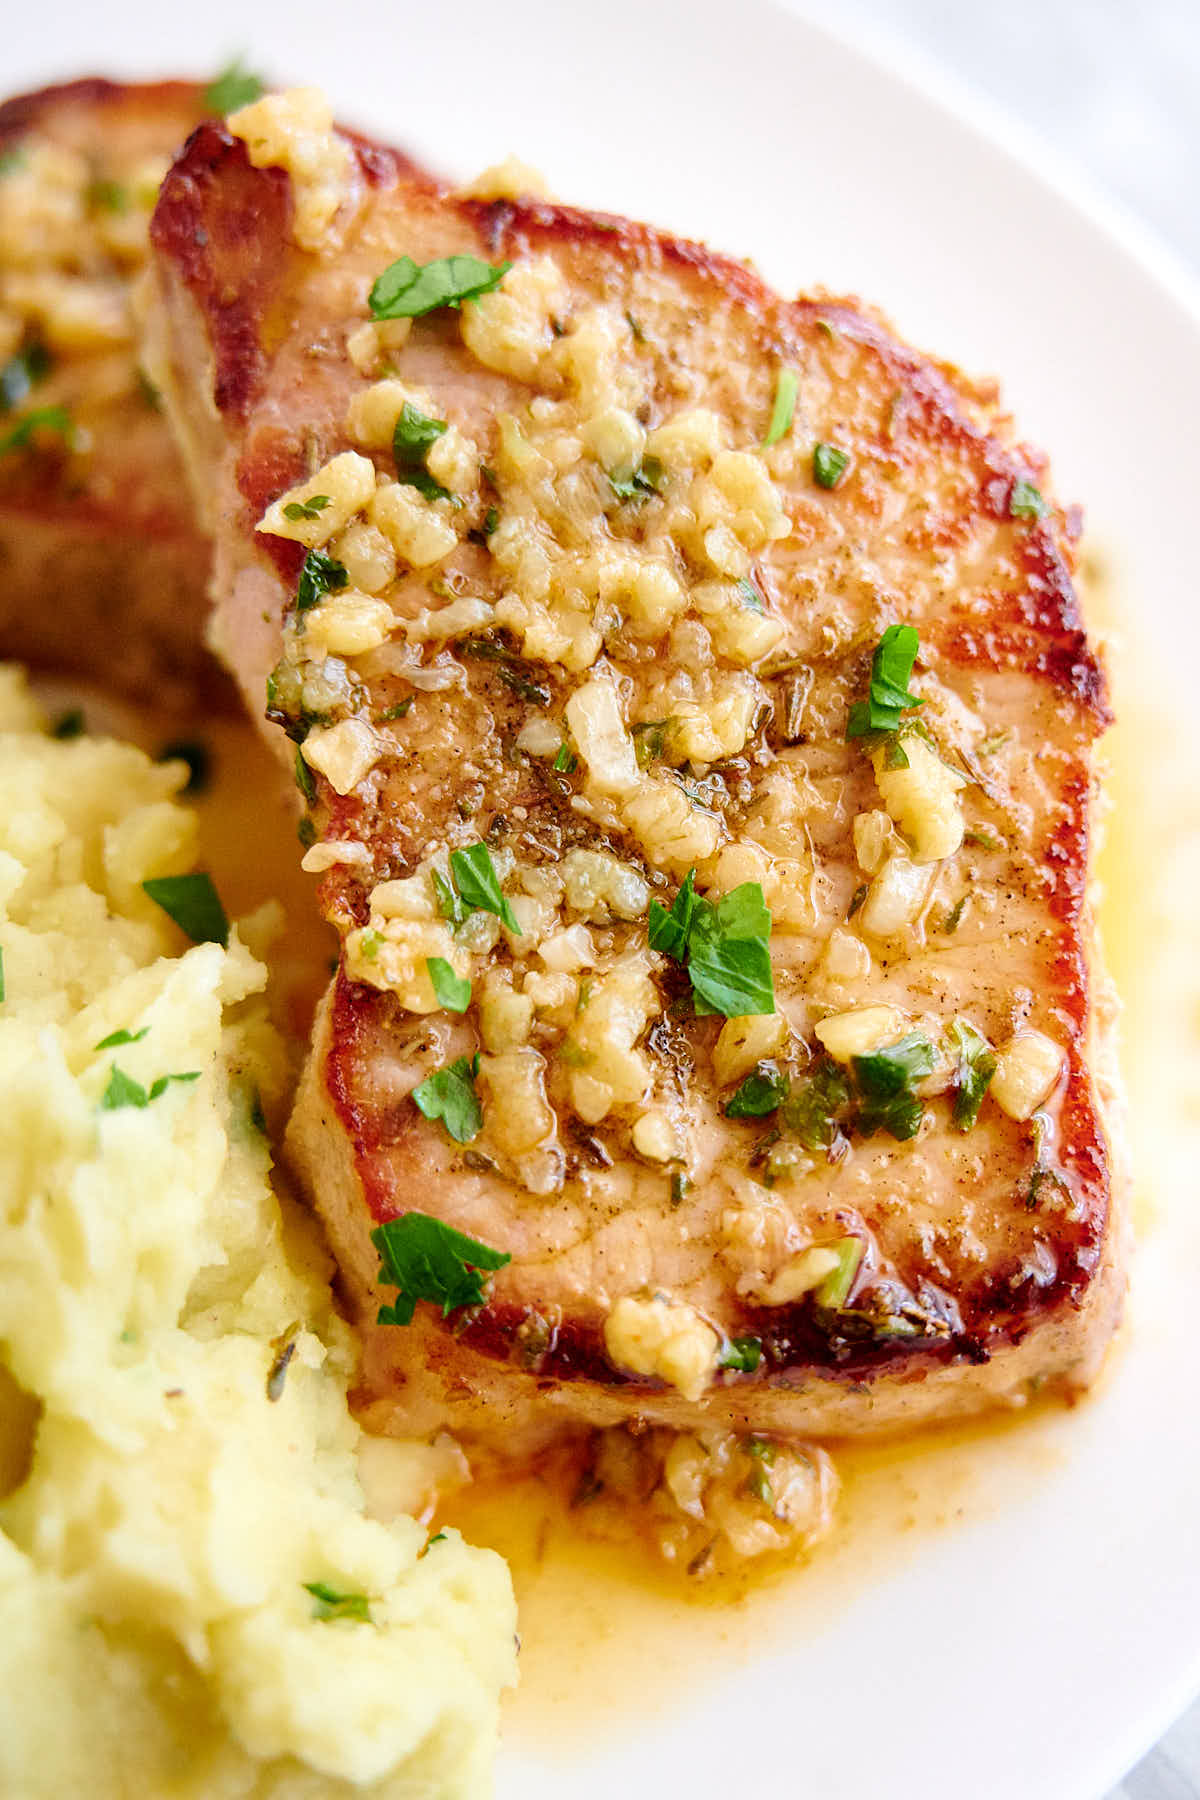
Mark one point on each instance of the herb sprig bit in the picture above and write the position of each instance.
(427, 1260)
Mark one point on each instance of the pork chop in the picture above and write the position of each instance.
(98, 543)
(695, 722)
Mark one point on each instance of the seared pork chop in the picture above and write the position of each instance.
(695, 719)
(99, 549)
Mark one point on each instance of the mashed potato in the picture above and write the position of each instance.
(192, 1602)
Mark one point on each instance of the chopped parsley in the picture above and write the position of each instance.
(319, 575)
(641, 482)
(829, 464)
(784, 408)
(411, 441)
(69, 724)
(312, 508)
(886, 1081)
(453, 991)
(889, 696)
(976, 1066)
(1026, 502)
(511, 669)
(725, 947)
(21, 373)
(649, 741)
(304, 778)
(763, 1091)
(108, 196)
(812, 1110)
(194, 904)
(426, 1260)
(409, 290)
(234, 87)
(565, 762)
(329, 1604)
(669, 931)
(123, 1090)
(449, 1095)
(42, 418)
(742, 1354)
(479, 885)
(449, 904)
(198, 759)
(116, 1038)
(954, 917)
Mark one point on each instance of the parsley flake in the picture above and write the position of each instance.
(829, 464)
(1026, 502)
(312, 508)
(411, 441)
(116, 1038)
(43, 418)
(449, 904)
(972, 1078)
(886, 1080)
(426, 1260)
(725, 947)
(233, 88)
(409, 290)
(742, 1354)
(479, 885)
(330, 1604)
(194, 904)
(319, 575)
(639, 483)
(763, 1091)
(814, 1106)
(453, 991)
(888, 697)
(784, 408)
(449, 1095)
(123, 1090)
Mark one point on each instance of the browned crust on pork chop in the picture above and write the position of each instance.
(1013, 1285)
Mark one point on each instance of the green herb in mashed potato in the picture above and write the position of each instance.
(122, 1090)
(427, 1260)
(329, 1604)
(116, 1038)
(194, 904)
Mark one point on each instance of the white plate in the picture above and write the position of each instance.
(1035, 1646)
